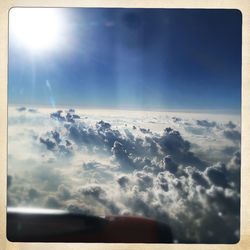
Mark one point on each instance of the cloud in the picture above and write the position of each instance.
(233, 168)
(123, 181)
(230, 125)
(47, 177)
(145, 131)
(144, 180)
(53, 202)
(226, 200)
(31, 110)
(97, 193)
(84, 136)
(21, 109)
(121, 155)
(199, 178)
(176, 119)
(80, 209)
(94, 191)
(195, 130)
(235, 162)
(103, 125)
(99, 166)
(56, 136)
(9, 180)
(169, 164)
(33, 194)
(205, 123)
(216, 174)
(172, 143)
(214, 223)
(63, 192)
(49, 144)
(229, 150)
(58, 116)
(162, 182)
(233, 135)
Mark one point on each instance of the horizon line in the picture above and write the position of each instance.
(126, 108)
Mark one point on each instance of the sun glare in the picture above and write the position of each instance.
(36, 29)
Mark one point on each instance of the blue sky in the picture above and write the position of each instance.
(133, 58)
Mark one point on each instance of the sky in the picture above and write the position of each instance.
(126, 58)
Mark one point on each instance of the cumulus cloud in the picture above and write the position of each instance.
(172, 143)
(63, 192)
(233, 168)
(199, 178)
(229, 150)
(21, 109)
(233, 135)
(216, 174)
(235, 162)
(176, 119)
(205, 123)
(123, 181)
(144, 180)
(98, 194)
(230, 125)
(100, 166)
(94, 191)
(31, 110)
(53, 202)
(58, 116)
(121, 155)
(162, 182)
(33, 194)
(49, 144)
(169, 164)
(145, 131)
(195, 130)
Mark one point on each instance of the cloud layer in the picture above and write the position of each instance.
(180, 169)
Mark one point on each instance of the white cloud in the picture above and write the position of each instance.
(181, 169)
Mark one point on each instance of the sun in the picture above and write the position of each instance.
(36, 29)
